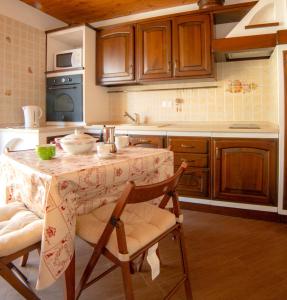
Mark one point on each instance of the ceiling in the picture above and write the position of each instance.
(88, 11)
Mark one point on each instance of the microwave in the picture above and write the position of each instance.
(68, 59)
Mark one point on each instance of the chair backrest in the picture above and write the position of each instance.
(135, 194)
(152, 191)
(144, 193)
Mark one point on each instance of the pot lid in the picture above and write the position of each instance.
(78, 137)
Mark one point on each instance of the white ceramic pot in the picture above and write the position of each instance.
(77, 143)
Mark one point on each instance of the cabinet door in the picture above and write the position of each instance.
(194, 183)
(245, 171)
(192, 46)
(115, 55)
(154, 50)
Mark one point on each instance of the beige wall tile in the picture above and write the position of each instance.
(22, 67)
(209, 104)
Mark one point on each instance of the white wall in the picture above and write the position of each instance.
(26, 14)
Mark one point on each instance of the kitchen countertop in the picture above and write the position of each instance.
(198, 127)
(172, 129)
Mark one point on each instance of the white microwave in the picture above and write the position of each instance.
(68, 59)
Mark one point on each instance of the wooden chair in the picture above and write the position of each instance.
(20, 233)
(138, 226)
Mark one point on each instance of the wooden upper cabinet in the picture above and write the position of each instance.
(192, 46)
(154, 50)
(245, 170)
(115, 55)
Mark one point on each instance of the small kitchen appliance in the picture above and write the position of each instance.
(32, 116)
(68, 59)
(64, 99)
(109, 137)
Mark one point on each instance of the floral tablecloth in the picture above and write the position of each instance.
(66, 186)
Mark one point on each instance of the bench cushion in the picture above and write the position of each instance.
(19, 228)
(143, 223)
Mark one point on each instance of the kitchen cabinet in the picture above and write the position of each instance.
(154, 50)
(168, 48)
(115, 55)
(180, 52)
(192, 46)
(148, 141)
(245, 170)
(195, 151)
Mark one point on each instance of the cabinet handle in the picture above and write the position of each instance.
(174, 67)
(217, 153)
(142, 142)
(186, 160)
(186, 146)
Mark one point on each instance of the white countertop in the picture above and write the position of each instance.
(216, 129)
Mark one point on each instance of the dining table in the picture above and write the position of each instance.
(60, 189)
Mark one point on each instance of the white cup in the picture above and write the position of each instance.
(122, 141)
(103, 149)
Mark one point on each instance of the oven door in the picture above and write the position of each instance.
(64, 102)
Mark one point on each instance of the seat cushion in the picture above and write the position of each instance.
(143, 223)
(19, 228)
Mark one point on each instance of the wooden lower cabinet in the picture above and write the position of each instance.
(147, 141)
(194, 183)
(195, 152)
(245, 170)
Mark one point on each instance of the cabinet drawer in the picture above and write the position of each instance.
(194, 183)
(189, 145)
(147, 141)
(193, 160)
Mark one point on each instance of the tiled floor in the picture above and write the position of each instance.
(230, 259)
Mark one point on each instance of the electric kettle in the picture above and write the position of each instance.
(32, 116)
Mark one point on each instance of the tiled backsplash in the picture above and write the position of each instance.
(22, 67)
(245, 92)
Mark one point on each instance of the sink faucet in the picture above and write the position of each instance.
(136, 119)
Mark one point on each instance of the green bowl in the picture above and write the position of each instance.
(46, 151)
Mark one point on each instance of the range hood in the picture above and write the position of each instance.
(266, 16)
(249, 54)
(254, 36)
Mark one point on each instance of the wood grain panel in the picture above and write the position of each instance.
(189, 145)
(193, 160)
(154, 50)
(115, 54)
(87, 11)
(194, 183)
(244, 42)
(245, 170)
(192, 46)
(147, 141)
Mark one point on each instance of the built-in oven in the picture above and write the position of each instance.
(64, 99)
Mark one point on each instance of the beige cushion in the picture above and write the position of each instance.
(143, 223)
(19, 228)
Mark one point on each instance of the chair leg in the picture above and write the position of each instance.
(184, 261)
(127, 280)
(24, 259)
(17, 284)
